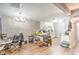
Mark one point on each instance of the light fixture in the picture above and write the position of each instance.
(20, 17)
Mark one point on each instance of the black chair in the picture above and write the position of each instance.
(15, 39)
(7, 46)
(31, 39)
(15, 42)
(21, 39)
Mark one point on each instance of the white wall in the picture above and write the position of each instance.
(77, 30)
(45, 23)
(59, 28)
(10, 26)
(66, 21)
(60, 25)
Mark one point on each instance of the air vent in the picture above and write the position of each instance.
(15, 5)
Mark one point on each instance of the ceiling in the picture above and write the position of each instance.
(33, 11)
(39, 11)
(72, 6)
(71, 9)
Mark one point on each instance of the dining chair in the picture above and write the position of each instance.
(2, 52)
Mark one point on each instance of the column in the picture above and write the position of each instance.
(73, 33)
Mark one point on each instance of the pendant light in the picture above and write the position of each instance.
(20, 17)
